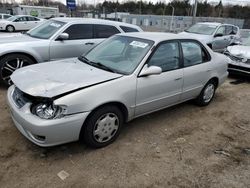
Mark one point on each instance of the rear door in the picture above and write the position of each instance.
(80, 41)
(197, 68)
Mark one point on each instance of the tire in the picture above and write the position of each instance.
(10, 63)
(10, 28)
(207, 94)
(97, 134)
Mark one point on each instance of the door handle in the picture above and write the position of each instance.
(209, 70)
(176, 79)
(89, 43)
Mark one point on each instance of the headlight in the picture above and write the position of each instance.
(48, 111)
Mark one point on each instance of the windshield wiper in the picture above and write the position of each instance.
(100, 65)
(96, 64)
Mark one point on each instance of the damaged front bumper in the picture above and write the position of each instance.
(45, 132)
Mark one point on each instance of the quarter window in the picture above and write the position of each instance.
(80, 31)
(166, 56)
(105, 31)
(194, 54)
(128, 29)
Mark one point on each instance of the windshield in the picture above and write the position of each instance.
(46, 29)
(204, 29)
(12, 18)
(119, 54)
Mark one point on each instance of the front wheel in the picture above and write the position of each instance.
(10, 28)
(103, 126)
(207, 94)
(10, 63)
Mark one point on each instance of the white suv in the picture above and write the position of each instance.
(216, 35)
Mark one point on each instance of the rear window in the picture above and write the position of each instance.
(128, 29)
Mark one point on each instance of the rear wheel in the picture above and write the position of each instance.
(10, 63)
(10, 28)
(103, 126)
(207, 94)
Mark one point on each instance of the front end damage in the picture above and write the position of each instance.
(41, 121)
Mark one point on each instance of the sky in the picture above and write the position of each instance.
(241, 2)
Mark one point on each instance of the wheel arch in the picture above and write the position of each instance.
(120, 105)
(215, 80)
(22, 53)
(11, 26)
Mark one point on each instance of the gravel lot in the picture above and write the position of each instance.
(183, 146)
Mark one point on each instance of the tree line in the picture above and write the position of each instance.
(182, 7)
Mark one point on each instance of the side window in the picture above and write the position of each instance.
(105, 31)
(30, 19)
(166, 56)
(193, 54)
(230, 30)
(80, 31)
(6, 16)
(128, 29)
(221, 30)
(235, 30)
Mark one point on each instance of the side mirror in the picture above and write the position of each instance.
(63, 36)
(152, 70)
(218, 35)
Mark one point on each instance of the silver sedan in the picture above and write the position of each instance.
(125, 77)
(55, 39)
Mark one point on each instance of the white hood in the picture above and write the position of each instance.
(203, 38)
(55, 78)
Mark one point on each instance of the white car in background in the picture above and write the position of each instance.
(216, 35)
(4, 16)
(19, 23)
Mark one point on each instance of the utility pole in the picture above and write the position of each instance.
(172, 19)
(195, 10)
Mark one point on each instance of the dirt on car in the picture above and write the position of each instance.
(182, 146)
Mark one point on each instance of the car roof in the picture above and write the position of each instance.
(92, 21)
(210, 23)
(155, 36)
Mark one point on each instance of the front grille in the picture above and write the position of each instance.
(19, 98)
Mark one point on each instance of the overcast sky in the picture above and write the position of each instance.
(224, 1)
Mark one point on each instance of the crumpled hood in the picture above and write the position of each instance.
(55, 78)
(239, 51)
(203, 38)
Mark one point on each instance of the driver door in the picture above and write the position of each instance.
(80, 41)
(221, 40)
(21, 23)
(159, 91)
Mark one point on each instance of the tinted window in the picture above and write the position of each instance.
(166, 56)
(235, 30)
(128, 29)
(6, 16)
(21, 19)
(105, 31)
(32, 19)
(80, 31)
(192, 53)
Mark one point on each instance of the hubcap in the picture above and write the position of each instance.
(106, 127)
(208, 93)
(10, 66)
(10, 29)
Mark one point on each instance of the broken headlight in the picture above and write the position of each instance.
(48, 111)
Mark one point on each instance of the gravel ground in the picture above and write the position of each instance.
(183, 146)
